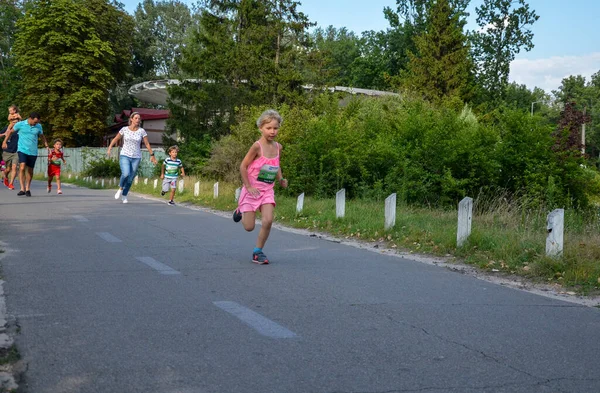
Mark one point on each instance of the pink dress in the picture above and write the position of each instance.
(262, 174)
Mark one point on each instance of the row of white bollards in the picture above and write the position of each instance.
(555, 224)
(554, 227)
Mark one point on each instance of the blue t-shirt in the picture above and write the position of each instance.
(28, 137)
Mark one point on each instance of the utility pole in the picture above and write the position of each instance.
(532, 104)
(583, 133)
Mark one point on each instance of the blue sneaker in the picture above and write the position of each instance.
(260, 258)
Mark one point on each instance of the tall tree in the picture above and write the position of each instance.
(584, 96)
(442, 66)
(340, 48)
(504, 29)
(160, 30)
(243, 52)
(10, 80)
(408, 22)
(70, 53)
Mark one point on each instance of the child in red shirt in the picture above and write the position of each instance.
(54, 162)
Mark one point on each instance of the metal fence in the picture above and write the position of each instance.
(78, 158)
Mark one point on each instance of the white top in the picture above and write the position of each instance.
(131, 142)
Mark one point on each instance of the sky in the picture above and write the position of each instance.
(566, 37)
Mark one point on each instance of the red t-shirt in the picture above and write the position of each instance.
(55, 158)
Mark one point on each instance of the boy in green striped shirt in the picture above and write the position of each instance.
(169, 172)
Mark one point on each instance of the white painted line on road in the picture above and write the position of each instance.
(154, 264)
(301, 249)
(262, 325)
(80, 218)
(108, 237)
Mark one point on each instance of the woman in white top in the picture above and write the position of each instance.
(131, 153)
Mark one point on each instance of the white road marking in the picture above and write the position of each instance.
(108, 237)
(80, 218)
(158, 266)
(262, 325)
(301, 249)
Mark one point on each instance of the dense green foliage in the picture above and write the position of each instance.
(70, 52)
(441, 66)
(10, 77)
(427, 154)
(504, 31)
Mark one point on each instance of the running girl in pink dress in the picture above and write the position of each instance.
(260, 170)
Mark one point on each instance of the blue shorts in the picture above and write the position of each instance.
(27, 159)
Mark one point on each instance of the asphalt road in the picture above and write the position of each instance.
(145, 297)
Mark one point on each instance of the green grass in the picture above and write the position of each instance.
(505, 237)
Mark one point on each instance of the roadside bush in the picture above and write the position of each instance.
(102, 167)
(428, 155)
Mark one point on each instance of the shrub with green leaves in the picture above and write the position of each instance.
(431, 155)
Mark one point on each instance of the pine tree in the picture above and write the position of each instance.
(442, 66)
(244, 52)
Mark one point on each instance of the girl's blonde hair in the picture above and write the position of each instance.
(133, 114)
(16, 108)
(267, 116)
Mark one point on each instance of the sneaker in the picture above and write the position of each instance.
(171, 203)
(6, 181)
(237, 216)
(27, 193)
(49, 189)
(59, 192)
(21, 193)
(260, 258)
(11, 187)
(118, 193)
(124, 198)
(162, 193)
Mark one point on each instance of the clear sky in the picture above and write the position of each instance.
(566, 37)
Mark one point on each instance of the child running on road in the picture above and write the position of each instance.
(54, 162)
(170, 171)
(260, 170)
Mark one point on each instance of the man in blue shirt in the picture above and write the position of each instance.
(29, 130)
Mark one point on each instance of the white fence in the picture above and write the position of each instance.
(76, 159)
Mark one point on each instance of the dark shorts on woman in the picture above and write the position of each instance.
(27, 160)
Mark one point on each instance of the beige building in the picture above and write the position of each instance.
(154, 121)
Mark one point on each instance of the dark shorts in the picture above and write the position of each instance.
(27, 159)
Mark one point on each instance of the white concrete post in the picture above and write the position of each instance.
(340, 203)
(390, 211)
(181, 186)
(102, 183)
(115, 181)
(465, 216)
(216, 190)
(238, 191)
(300, 203)
(45, 174)
(146, 181)
(155, 183)
(76, 177)
(97, 181)
(555, 227)
(136, 180)
(197, 189)
(69, 175)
